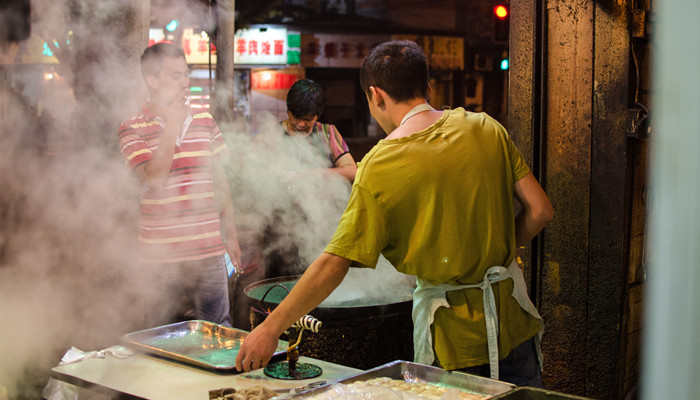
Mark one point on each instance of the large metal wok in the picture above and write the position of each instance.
(359, 329)
(344, 303)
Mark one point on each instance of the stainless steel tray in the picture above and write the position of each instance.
(413, 372)
(196, 342)
(530, 393)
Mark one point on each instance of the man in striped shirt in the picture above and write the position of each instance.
(187, 217)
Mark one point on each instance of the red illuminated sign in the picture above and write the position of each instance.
(272, 80)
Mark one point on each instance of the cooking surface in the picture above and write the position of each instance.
(145, 376)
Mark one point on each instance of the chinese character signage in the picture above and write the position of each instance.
(256, 46)
(443, 52)
(337, 51)
(196, 46)
(260, 46)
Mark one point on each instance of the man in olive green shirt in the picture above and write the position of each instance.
(436, 199)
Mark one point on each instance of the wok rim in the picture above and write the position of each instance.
(339, 313)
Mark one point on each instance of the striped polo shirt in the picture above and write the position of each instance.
(179, 222)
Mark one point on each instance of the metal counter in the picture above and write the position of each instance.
(150, 377)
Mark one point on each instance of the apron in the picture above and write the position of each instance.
(427, 298)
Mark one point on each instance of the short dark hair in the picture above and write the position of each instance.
(152, 58)
(305, 99)
(399, 67)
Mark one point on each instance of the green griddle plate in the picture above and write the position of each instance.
(280, 370)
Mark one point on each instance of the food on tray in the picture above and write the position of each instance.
(388, 388)
(257, 392)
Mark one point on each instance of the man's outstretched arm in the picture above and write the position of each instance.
(317, 283)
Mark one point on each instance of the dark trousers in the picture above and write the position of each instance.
(520, 367)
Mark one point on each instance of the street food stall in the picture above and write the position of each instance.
(195, 359)
(190, 359)
(353, 345)
(184, 360)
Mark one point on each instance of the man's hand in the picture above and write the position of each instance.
(154, 173)
(234, 251)
(257, 349)
(224, 202)
(317, 282)
(176, 112)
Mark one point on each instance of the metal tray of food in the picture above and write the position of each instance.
(201, 343)
(481, 388)
(530, 393)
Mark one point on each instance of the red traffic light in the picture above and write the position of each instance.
(501, 21)
(501, 11)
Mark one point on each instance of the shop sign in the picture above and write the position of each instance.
(155, 35)
(257, 46)
(194, 44)
(272, 80)
(196, 47)
(337, 51)
(260, 46)
(443, 52)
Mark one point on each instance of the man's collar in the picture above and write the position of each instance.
(147, 112)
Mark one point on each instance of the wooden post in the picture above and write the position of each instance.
(567, 108)
(607, 267)
(110, 38)
(223, 89)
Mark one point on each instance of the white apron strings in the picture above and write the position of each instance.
(428, 298)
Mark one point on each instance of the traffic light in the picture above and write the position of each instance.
(501, 21)
(504, 64)
(504, 61)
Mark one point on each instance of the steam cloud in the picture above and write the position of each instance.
(69, 207)
(276, 181)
